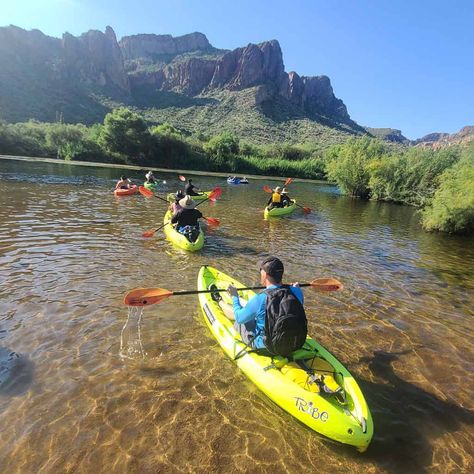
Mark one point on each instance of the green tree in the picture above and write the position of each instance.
(66, 140)
(348, 164)
(223, 146)
(126, 133)
(452, 207)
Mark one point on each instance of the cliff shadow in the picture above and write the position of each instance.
(149, 96)
(16, 373)
(406, 418)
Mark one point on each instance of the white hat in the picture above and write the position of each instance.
(277, 189)
(150, 173)
(284, 191)
(187, 202)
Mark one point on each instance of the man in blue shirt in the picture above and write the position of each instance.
(250, 319)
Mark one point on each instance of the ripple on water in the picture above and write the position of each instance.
(69, 250)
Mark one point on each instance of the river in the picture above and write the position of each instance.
(73, 400)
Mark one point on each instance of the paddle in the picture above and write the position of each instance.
(181, 178)
(306, 210)
(148, 193)
(149, 296)
(215, 193)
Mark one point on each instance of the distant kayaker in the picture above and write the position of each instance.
(275, 200)
(150, 178)
(123, 183)
(190, 189)
(285, 198)
(250, 319)
(187, 216)
(175, 206)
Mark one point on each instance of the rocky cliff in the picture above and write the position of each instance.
(80, 77)
(440, 139)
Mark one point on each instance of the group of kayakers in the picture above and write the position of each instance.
(279, 198)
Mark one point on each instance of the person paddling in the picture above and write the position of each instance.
(285, 198)
(187, 218)
(275, 199)
(250, 321)
(175, 206)
(190, 189)
(123, 183)
(150, 178)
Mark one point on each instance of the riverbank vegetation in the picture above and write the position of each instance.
(439, 182)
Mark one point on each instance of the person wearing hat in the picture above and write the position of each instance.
(285, 198)
(175, 206)
(275, 200)
(187, 216)
(190, 189)
(250, 319)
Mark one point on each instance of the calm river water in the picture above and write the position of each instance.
(73, 400)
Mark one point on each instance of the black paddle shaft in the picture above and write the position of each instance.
(218, 290)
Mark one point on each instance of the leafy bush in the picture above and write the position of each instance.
(348, 164)
(452, 207)
(221, 148)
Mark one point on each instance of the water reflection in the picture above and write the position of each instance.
(69, 251)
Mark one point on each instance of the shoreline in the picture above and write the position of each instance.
(94, 164)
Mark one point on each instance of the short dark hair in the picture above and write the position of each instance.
(123, 177)
(189, 180)
(273, 267)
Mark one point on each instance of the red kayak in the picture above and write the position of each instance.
(126, 192)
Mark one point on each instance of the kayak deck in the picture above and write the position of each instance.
(280, 211)
(179, 239)
(126, 192)
(342, 415)
(201, 197)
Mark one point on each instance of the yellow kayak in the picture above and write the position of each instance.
(179, 239)
(314, 387)
(201, 197)
(280, 211)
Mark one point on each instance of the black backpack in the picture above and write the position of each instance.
(286, 326)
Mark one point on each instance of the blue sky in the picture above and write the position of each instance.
(400, 64)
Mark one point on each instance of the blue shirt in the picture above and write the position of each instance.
(254, 311)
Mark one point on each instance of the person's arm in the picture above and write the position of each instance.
(295, 288)
(198, 214)
(174, 219)
(249, 312)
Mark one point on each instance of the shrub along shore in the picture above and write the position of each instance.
(439, 182)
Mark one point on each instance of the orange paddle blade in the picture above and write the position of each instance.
(288, 181)
(267, 189)
(212, 220)
(306, 210)
(146, 192)
(146, 296)
(327, 284)
(215, 193)
(181, 177)
(149, 233)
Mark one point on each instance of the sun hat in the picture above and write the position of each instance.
(187, 202)
(277, 189)
(273, 267)
(284, 191)
(150, 173)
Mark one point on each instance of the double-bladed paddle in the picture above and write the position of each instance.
(149, 296)
(267, 189)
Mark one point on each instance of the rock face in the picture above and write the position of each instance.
(186, 65)
(152, 46)
(95, 57)
(440, 139)
(92, 58)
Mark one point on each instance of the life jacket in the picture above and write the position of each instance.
(286, 326)
(276, 197)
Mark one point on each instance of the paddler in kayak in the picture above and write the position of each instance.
(250, 319)
(150, 178)
(175, 206)
(275, 199)
(123, 183)
(285, 198)
(190, 189)
(186, 219)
